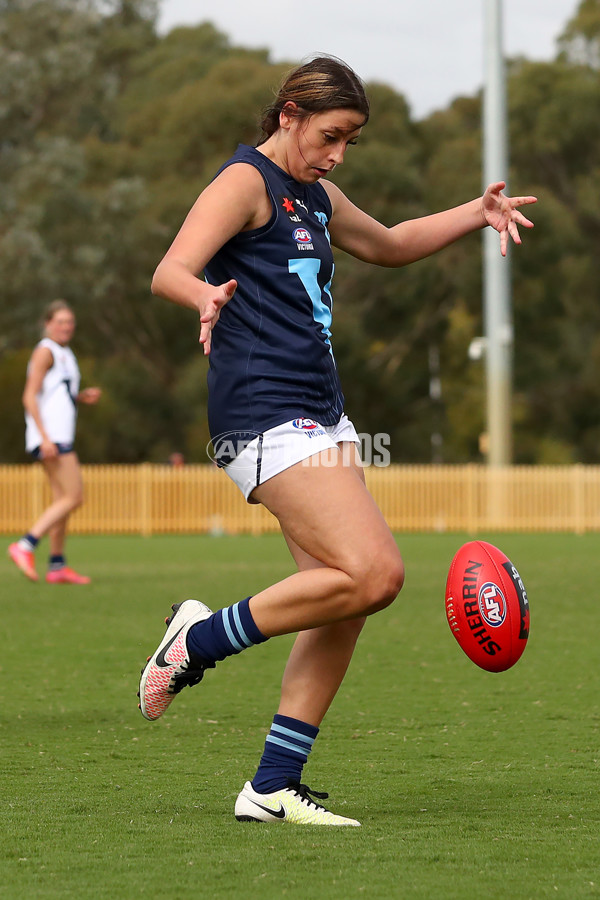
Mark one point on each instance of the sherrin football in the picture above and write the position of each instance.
(487, 606)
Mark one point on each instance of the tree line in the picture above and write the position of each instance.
(109, 130)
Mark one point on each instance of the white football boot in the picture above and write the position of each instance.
(292, 804)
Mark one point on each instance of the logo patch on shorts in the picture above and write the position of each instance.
(308, 426)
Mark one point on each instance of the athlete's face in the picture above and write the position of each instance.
(319, 142)
(61, 326)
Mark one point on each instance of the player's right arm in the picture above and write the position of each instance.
(235, 201)
(41, 361)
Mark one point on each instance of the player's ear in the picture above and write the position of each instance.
(288, 114)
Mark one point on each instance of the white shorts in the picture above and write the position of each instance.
(277, 449)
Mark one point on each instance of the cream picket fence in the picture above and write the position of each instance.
(149, 499)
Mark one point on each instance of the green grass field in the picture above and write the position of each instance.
(467, 784)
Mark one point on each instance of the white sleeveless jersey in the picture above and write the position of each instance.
(56, 399)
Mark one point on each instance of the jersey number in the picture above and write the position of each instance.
(67, 384)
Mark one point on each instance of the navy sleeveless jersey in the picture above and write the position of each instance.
(271, 358)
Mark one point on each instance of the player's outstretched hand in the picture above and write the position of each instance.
(502, 214)
(89, 395)
(221, 295)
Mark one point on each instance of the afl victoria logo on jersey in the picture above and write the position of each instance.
(303, 239)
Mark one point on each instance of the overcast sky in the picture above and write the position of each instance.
(430, 50)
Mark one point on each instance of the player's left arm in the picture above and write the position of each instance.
(362, 236)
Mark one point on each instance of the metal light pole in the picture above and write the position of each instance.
(497, 294)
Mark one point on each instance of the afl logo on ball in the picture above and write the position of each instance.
(492, 604)
(305, 424)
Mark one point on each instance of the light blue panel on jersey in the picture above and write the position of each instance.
(307, 270)
(322, 217)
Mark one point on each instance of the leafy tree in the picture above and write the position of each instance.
(579, 43)
(555, 135)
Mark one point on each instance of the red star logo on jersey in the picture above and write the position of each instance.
(288, 205)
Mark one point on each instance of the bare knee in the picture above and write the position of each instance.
(388, 584)
(380, 584)
(74, 500)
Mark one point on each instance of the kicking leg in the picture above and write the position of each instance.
(328, 513)
(326, 510)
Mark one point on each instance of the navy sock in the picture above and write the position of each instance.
(29, 542)
(286, 750)
(225, 633)
(56, 562)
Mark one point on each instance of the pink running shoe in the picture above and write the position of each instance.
(66, 576)
(171, 667)
(24, 559)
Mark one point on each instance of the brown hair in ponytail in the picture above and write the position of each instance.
(322, 83)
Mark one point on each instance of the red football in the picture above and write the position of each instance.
(487, 606)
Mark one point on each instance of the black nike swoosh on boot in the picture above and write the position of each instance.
(160, 661)
(279, 813)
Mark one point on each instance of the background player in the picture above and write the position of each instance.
(50, 399)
